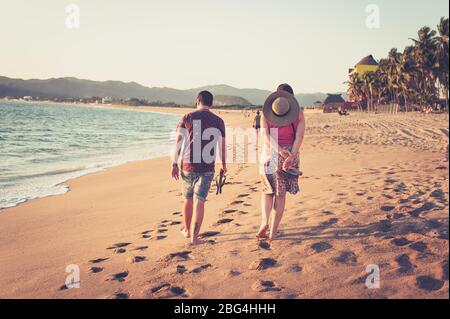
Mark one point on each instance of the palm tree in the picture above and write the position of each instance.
(443, 57)
(369, 80)
(355, 89)
(415, 76)
(425, 57)
(392, 73)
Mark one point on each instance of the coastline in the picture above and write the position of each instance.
(336, 222)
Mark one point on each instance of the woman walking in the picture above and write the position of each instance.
(283, 124)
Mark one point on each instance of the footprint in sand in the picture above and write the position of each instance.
(387, 208)
(329, 222)
(230, 211)
(237, 202)
(177, 213)
(400, 242)
(224, 221)
(174, 223)
(179, 256)
(429, 283)
(445, 270)
(161, 237)
(201, 268)
(265, 286)
(96, 270)
(120, 276)
(419, 246)
(209, 234)
(120, 251)
(162, 231)
(166, 290)
(119, 245)
(98, 260)
(346, 257)
(406, 267)
(243, 195)
(141, 248)
(181, 269)
(119, 295)
(295, 268)
(232, 273)
(146, 236)
(263, 264)
(136, 259)
(264, 245)
(321, 246)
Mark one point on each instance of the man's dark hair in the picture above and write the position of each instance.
(205, 98)
(286, 88)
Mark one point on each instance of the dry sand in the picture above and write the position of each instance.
(374, 191)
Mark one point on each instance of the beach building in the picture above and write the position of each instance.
(333, 103)
(367, 64)
(107, 100)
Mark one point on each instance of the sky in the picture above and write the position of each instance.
(184, 44)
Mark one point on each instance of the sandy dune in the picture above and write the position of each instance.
(374, 192)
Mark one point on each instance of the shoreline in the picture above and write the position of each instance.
(64, 183)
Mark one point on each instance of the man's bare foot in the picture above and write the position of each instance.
(186, 233)
(262, 234)
(197, 241)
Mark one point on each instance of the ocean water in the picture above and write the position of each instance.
(43, 145)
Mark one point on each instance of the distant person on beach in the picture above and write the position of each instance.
(257, 126)
(283, 124)
(199, 134)
(257, 122)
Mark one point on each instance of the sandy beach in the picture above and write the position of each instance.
(374, 192)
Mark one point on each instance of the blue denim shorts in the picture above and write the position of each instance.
(197, 184)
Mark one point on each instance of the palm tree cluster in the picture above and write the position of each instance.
(416, 78)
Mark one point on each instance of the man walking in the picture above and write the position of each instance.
(199, 134)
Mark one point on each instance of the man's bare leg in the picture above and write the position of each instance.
(266, 208)
(279, 205)
(188, 205)
(198, 220)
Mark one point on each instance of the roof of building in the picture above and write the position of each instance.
(368, 60)
(334, 98)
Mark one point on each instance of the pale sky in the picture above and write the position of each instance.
(190, 43)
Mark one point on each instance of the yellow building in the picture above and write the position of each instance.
(367, 64)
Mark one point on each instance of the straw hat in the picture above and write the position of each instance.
(281, 109)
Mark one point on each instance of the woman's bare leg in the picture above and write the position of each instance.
(279, 205)
(266, 208)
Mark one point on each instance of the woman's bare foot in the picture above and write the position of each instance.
(262, 234)
(186, 233)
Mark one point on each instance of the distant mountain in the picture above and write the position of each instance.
(70, 87)
(307, 99)
(224, 100)
(255, 96)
